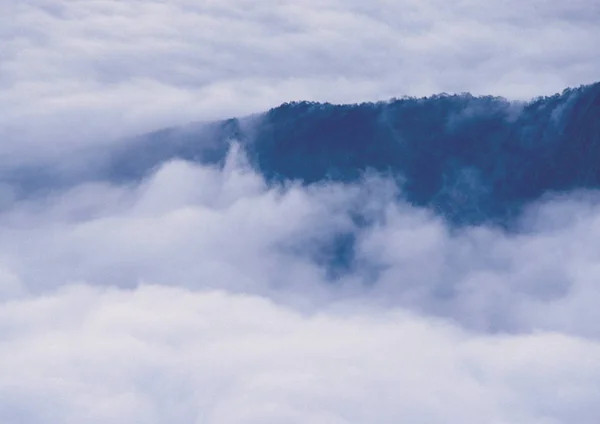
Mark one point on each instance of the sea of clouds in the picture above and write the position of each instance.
(198, 296)
(202, 294)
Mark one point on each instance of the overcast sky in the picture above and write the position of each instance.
(197, 295)
(81, 71)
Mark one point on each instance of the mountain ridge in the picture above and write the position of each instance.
(471, 159)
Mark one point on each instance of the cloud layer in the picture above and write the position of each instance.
(159, 355)
(93, 71)
(203, 295)
(205, 227)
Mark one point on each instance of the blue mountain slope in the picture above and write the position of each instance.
(470, 159)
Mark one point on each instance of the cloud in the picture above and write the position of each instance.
(159, 354)
(201, 294)
(75, 73)
(204, 227)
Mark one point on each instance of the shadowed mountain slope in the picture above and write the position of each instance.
(470, 159)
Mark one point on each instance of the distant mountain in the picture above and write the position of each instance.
(471, 159)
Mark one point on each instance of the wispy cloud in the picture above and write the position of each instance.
(85, 71)
(198, 295)
(194, 226)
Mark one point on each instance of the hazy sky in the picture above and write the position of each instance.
(89, 70)
(198, 295)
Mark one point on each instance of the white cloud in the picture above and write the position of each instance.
(194, 297)
(74, 72)
(201, 227)
(160, 355)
